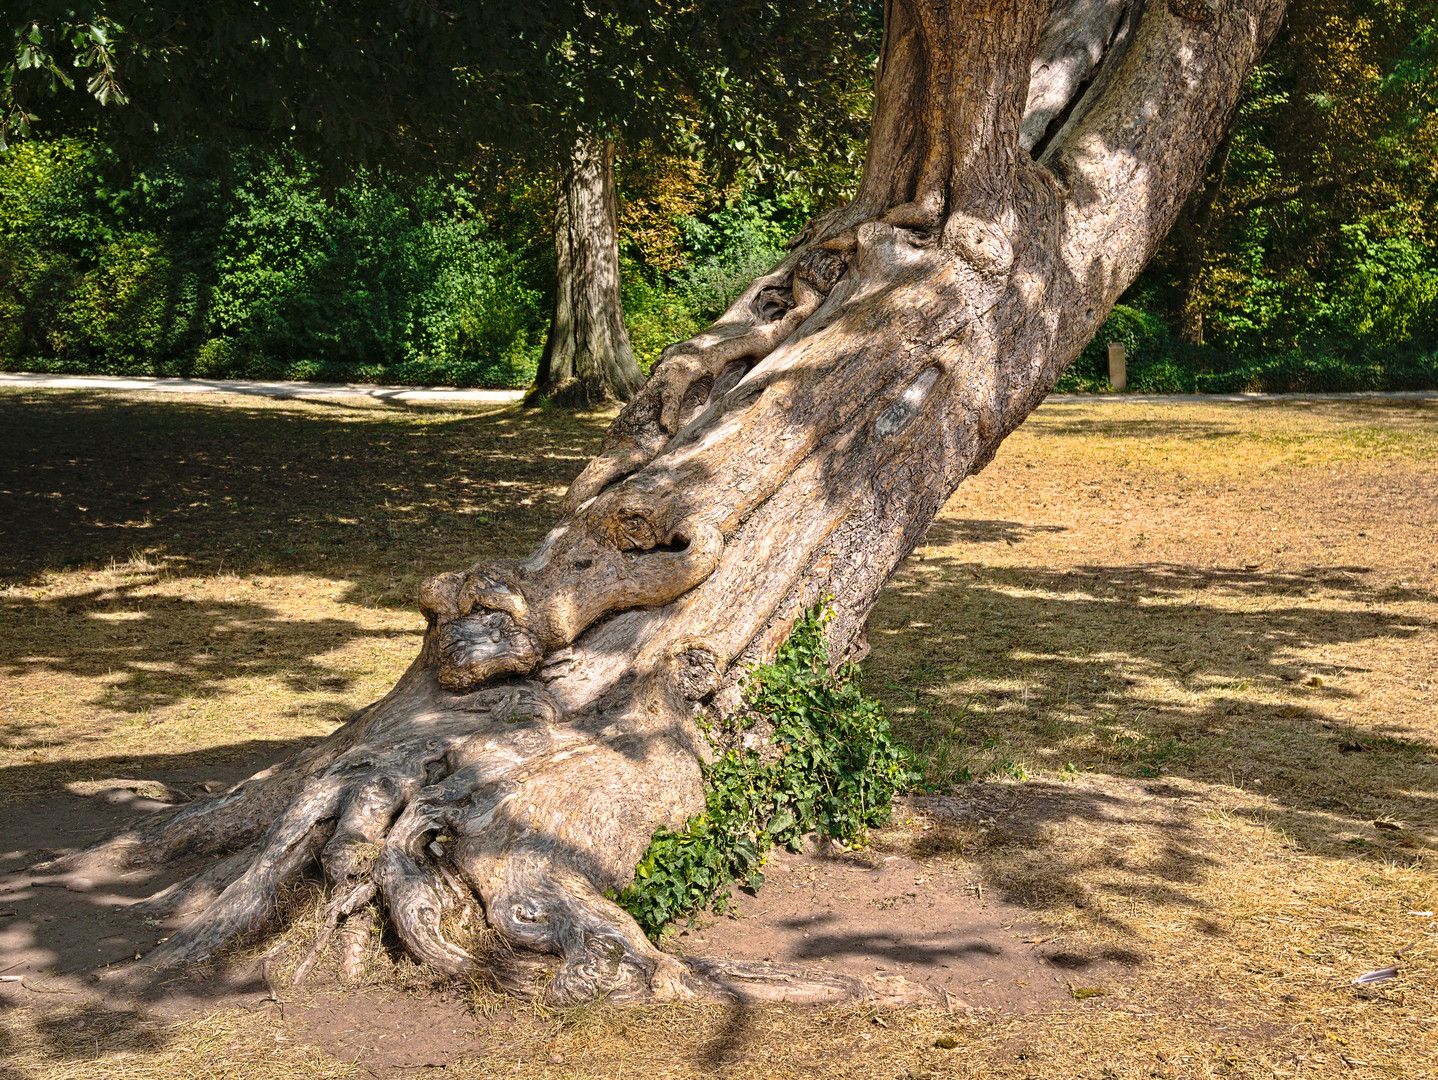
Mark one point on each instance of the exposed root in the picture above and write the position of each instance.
(354, 936)
(416, 893)
(760, 981)
(198, 891)
(221, 823)
(248, 903)
(603, 952)
(340, 908)
(489, 798)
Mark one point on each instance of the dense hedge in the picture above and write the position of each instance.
(211, 265)
(1161, 364)
(216, 265)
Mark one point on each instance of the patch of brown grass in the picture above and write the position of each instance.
(1171, 670)
(227, 577)
(89, 1042)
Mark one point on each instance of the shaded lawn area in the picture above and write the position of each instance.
(195, 571)
(1170, 671)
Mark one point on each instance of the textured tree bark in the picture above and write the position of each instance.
(796, 449)
(587, 359)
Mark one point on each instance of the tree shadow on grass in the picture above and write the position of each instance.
(58, 929)
(368, 491)
(1136, 843)
(976, 531)
(1388, 417)
(146, 652)
(1142, 673)
(892, 944)
(372, 496)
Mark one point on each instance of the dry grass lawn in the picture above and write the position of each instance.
(1184, 658)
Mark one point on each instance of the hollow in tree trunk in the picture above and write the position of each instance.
(796, 449)
(587, 358)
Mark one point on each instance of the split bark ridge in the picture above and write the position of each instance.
(587, 358)
(796, 449)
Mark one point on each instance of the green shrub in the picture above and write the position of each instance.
(656, 316)
(836, 771)
(725, 249)
(1336, 363)
(367, 285)
(1165, 376)
(202, 264)
(732, 245)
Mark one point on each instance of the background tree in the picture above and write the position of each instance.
(764, 82)
(1301, 283)
(747, 83)
(420, 88)
(1025, 161)
(1317, 210)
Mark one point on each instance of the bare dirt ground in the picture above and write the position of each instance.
(1169, 670)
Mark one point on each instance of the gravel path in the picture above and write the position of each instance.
(504, 397)
(260, 389)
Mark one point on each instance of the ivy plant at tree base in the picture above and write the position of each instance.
(828, 765)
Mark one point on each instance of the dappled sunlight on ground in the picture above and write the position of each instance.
(204, 573)
(1173, 676)
(1145, 608)
(1170, 672)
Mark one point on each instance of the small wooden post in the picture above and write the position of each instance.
(1117, 365)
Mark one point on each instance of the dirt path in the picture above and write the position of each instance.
(877, 910)
(276, 388)
(890, 909)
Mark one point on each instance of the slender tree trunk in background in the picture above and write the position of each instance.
(587, 358)
(796, 449)
(1191, 239)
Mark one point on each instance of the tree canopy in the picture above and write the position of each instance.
(1308, 256)
(424, 85)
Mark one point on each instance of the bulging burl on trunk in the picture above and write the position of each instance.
(620, 552)
(1025, 161)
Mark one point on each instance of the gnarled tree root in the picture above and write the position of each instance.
(763, 981)
(797, 448)
(475, 809)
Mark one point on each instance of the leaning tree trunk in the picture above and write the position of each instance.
(587, 359)
(797, 449)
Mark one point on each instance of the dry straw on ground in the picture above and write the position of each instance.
(1170, 670)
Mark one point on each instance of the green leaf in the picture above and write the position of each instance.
(780, 823)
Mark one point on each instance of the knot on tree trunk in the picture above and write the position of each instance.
(697, 671)
(502, 618)
(820, 270)
(982, 244)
